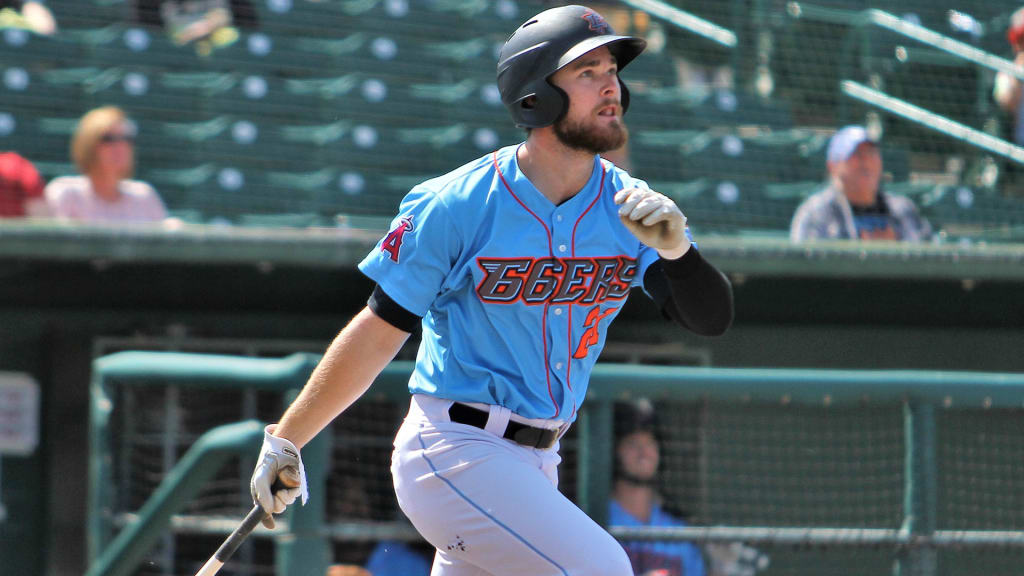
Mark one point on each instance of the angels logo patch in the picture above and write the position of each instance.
(392, 243)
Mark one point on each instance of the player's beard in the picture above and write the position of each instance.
(581, 135)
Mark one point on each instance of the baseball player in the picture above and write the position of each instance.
(514, 265)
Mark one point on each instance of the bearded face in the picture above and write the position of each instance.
(590, 135)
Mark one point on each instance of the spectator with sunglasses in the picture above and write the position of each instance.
(103, 149)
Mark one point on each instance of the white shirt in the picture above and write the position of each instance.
(72, 198)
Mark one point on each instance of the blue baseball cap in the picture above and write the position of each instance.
(845, 141)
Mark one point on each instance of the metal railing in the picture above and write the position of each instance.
(861, 22)
(921, 395)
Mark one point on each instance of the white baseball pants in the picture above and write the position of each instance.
(490, 506)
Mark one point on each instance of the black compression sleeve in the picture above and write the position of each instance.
(692, 292)
(391, 312)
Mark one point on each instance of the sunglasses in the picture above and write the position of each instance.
(110, 138)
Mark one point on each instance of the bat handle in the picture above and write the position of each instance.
(233, 541)
(289, 478)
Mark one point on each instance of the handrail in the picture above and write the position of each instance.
(932, 120)
(200, 463)
(920, 394)
(787, 385)
(945, 43)
(907, 29)
(686, 20)
(820, 536)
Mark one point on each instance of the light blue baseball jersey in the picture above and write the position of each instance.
(673, 558)
(516, 293)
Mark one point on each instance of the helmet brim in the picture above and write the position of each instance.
(625, 49)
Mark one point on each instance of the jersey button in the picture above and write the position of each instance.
(558, 311)
(559, 217)
(558, 366)
(562, 248)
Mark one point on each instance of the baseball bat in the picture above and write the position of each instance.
(288, 478)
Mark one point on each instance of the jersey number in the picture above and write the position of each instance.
(392, 243)
(593, 334)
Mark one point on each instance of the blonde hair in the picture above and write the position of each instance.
(89, 133)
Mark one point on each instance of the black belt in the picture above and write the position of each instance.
(542, 438)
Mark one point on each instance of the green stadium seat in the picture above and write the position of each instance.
(256, 52)
(467, 100)
(51, 170)
(44, 92)
(23, 132)
(221, 139)
(972, 215)
(136, 46)
(226, 191)
(143, 92)
(34, 51)
(453, 19)
(297, 19)
(89, 13)
(53, 138)
(652, 70)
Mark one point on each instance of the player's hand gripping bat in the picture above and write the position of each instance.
(289, 478)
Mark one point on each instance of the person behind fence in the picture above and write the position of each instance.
(207, 24)
(27, 15)
(21, 187)
(513, 266)
(1007, 88)
(1007, 91)
(103, 150)
(853, 206)
(637, 502)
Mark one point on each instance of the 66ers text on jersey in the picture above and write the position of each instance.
(555, 280)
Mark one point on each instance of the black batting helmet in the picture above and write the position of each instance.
(542, 46)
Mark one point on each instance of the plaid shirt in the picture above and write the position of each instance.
(828, 215)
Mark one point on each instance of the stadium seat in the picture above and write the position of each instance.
(21, 132)
(133, 46)
(44, 92)
(727, 207)
(220, 139)
(34, 51)
(973, 215)
(89, 13)
(467, 100)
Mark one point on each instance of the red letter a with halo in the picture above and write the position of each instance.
(392, 243)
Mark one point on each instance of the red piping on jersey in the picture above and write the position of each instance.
(568, 362)
(544, 316)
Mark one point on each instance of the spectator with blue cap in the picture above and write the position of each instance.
(853, 206)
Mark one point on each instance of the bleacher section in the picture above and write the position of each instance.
(333, 108)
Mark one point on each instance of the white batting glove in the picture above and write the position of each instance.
(279, 462)
(655, 220)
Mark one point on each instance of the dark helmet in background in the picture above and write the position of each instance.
(635, 415)
(542, 46)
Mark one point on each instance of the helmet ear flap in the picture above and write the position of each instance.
(549, 105)
(563, 98)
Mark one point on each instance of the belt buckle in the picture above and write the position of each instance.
(554, 436)
(539, 438)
